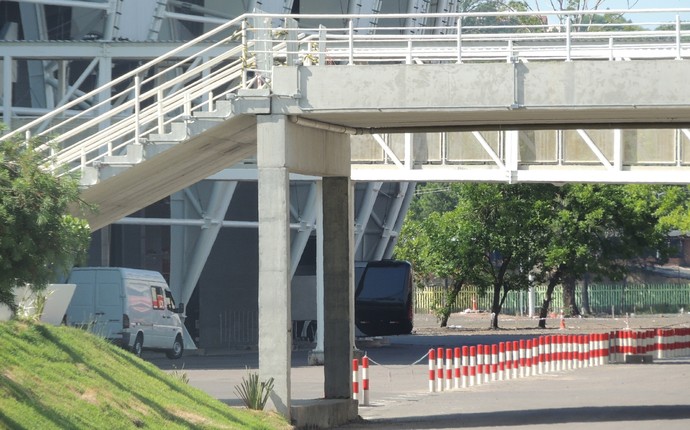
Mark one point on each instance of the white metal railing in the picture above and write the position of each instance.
(146, 100)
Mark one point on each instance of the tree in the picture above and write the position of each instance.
(438, 244)
(598, 230)
(587, 22)
(486, 241)
(37, 235)
(506, 226)
(475, 24)
(674, 208)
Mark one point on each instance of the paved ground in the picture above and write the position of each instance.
(608, 397)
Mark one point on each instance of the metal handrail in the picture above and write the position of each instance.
(118, 118)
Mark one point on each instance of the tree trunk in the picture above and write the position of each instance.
(569, 304)
(554, 280)
(585, 295)
(495, 307)
(451, 295)
(544, 311)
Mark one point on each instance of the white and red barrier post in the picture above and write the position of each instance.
(355, 379)
(365, 380)
(456, 367)
(432, 370)
(439, 369)
(487, 363)
(473, 366)
(465, 366)
(509, 361)
(479, 379)
(449, 368)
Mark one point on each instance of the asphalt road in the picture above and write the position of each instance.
(621, 396)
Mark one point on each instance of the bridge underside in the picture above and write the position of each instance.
(180, 166)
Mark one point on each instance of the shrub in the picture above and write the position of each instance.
(253, 393)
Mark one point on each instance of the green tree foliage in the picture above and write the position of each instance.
(485, 241)
(37, 235)
(674, 208)
(589, 22)
(504, 24)
(502, 237)
(598, 230)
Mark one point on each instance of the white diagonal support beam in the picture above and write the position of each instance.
(389, 152)
(595, 149)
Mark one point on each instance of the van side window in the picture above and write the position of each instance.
(157, 298)
(169, 301)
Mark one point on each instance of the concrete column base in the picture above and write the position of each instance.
(323, 413)
(315, 358)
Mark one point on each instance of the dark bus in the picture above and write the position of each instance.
(384, 299)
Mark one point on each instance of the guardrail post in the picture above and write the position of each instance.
(322, 46)
(137, 106)
(291, 44)
(351, 42)
(459, 39)
(678, 45)
(244, 53)
(567, 38)
(159, 110)
(263, 49)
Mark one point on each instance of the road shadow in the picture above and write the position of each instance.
(531, 417)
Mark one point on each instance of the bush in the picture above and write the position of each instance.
(253, 393)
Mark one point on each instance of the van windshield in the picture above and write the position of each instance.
(386, 282)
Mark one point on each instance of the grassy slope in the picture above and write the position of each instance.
(64, 378)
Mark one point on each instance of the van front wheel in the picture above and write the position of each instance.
(138, 345)
(177, 349)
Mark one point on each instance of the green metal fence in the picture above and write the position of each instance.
(603, 299)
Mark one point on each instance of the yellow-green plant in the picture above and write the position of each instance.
(254, 393)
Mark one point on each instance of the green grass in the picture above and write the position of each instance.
(65, 378)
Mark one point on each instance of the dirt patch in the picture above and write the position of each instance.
(478, 323)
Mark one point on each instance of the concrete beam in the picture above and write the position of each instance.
(401, 98)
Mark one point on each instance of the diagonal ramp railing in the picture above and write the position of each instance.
(147, 100)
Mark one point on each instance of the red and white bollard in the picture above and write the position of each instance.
(465, 373)
(541, 351)
(456, 367)
(501, 361)
(516, 359)
(473, 366)
(365, 380)
(432, 370)
(605, 347)
(449, 368)
(507, 373)
(439, 369)
(494, 362)
(528, 357)
(522, 357)
(479, 380)
(487, 363)
(355, 379)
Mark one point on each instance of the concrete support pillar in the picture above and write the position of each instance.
(283, 146)
(338, 257)
(275, 337)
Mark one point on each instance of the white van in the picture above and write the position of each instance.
(133, 308)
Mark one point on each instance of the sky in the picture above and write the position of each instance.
(639, 4)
